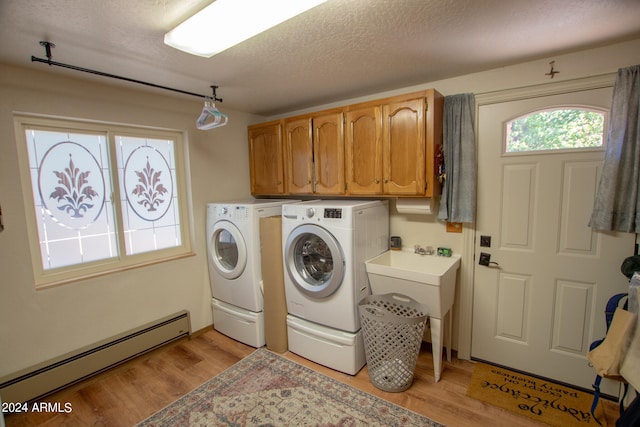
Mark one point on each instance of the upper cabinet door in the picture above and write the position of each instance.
(328, 154)
(433, 140)
(403, 142)
(299, 155)
(363, 150)
(266, 159)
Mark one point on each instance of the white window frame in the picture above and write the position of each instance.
(45, 278)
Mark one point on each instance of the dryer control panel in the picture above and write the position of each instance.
(230, 212)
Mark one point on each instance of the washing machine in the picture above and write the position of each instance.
(235, 271)
(325, 245)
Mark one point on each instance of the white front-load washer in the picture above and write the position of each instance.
(325, 245)
(235, 271)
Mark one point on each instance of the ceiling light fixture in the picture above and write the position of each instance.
(225, 23)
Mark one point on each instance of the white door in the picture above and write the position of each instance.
(540, 303)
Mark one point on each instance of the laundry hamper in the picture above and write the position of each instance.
(392, 328)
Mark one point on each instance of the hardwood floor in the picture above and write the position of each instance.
(133, 391)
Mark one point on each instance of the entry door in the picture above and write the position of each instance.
(540, 302)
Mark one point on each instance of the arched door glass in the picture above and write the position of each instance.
(556, 129)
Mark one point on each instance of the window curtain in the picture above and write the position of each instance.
(617, 207)
(458, 202)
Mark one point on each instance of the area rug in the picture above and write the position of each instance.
(265, 389)
(541, 400)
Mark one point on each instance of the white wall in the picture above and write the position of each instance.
(38, 325)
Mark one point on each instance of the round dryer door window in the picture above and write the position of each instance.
(314, 260)
(229, 252)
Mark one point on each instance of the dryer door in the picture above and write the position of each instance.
(228, 250)
(314, 260)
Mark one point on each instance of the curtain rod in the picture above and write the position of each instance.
(49, 45)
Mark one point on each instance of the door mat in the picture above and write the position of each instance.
(536, 398)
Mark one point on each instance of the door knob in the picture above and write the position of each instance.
(485, 259)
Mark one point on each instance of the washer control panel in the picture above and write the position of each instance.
(335, 213)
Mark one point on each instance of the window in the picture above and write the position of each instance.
(567, 128)
(103, 197)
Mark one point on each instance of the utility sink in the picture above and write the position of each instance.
(404, 265)
(428, 279)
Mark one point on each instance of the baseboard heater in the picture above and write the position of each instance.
(53, 375)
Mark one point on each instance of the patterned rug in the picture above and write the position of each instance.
(539, 399)
(265, 389)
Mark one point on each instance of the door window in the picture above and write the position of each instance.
(314, 261)
(553, 129)
(226, 250)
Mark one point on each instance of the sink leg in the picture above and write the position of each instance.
(447, 341)
(436, 344)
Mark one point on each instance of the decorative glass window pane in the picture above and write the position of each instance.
(555, 129)
(106, 197)
(71, 189)
(147, 175)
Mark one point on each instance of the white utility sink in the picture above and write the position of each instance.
(429, 279)
(404, 265)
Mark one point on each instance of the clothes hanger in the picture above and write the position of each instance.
(211, 117)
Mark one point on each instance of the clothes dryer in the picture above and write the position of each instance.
(235, 271)
(325, 245)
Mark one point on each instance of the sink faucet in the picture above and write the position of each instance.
(417, 249)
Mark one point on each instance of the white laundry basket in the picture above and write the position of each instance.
(392, 328)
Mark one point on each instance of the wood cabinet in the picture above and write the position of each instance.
(299, 156)
(390, 145)
(363, 150)
(314, 153)
(328, 153)
(266, 159)
(403, 147)
(378, 148)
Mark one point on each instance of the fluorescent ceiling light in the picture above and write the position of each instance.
(225, 23)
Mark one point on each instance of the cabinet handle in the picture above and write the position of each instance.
(377, 181)
(386, 180)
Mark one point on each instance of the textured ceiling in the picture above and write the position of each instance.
(339, 50)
